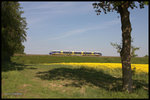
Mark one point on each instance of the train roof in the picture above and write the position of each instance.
(73, 51)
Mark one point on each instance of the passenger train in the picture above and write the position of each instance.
(75, 53)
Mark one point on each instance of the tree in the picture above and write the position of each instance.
(146, 56)
(133, 49)
(19, 49)
(119, 47)
(13, 29)
(121, 7)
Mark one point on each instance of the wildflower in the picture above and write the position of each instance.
(135, 67)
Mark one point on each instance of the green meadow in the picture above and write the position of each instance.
(37, 59)
(26, 77)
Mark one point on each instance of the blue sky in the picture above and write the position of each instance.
(74, 26)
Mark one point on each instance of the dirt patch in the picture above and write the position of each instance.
(82, 91)
(26, 85)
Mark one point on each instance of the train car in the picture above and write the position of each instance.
(75, 53)
(54, 52)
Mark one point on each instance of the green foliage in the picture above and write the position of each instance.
(146, 2)
(19, 49)
(13, 29)
(133, 49)
(110, 6)
(146, 56)
(117, 46)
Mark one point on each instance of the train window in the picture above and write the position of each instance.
(65, 52)
(57, 51)
(77, 52)
(87, 53)
(69, 52)
(99, 53)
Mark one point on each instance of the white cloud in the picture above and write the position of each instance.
(85, 29)
(57, 7)
(36, 12)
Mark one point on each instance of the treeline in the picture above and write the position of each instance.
(13, 29)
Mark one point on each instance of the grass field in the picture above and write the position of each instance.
(37, 59)
(46, 77)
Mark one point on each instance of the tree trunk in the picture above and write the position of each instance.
(126, 47)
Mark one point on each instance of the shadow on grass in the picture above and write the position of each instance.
(82, 76)
(10, 66)
(85, 76)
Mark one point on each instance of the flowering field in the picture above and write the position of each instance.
(137, 67)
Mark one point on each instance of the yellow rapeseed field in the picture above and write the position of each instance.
(139, 67)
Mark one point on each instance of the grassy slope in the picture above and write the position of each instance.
(58, 81)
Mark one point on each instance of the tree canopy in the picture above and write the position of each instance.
(110, 6)
(13, 29)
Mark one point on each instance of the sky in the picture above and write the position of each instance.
(74, 26)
